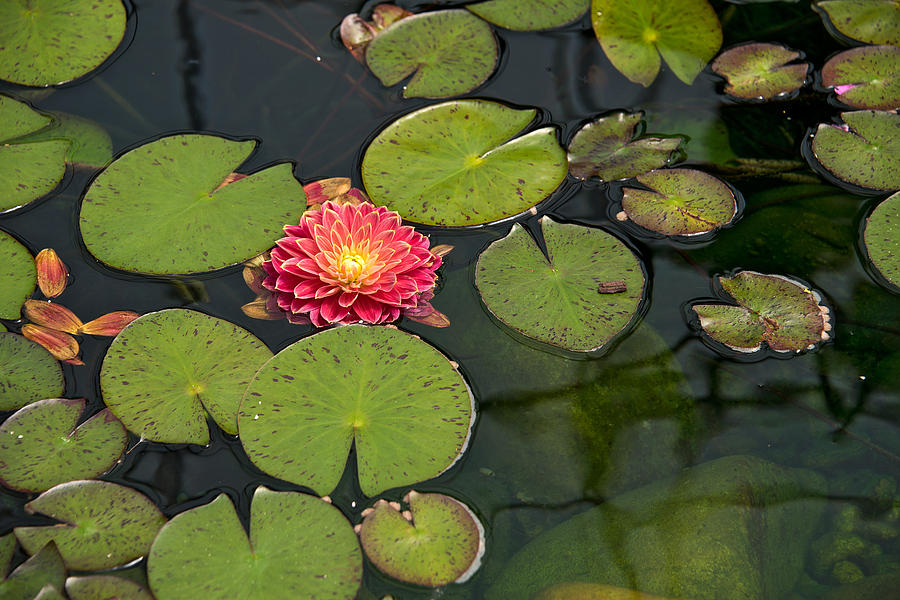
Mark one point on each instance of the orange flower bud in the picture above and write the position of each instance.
(260, 309)
(52, 273)
(433, 319)
(60, 344)
(441, 249)
(51, 315)
(109, 324)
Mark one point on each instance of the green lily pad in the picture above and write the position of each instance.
(166, 370)
(450, 52)
(159, 209)
(882, 238)
(29, 373)
(609, 148)
(42, 445)
(28, 170)
(634, 33)
(439, 541)
(772, 309)
(18, 276)
(103, 524)
(761, 71)
(105, 587)
(48, 42)
(403, 403)
(868, 21)
(529, 15)
(865, 152)
(89, 144)
(578, 298)
(299, 547)
(456, 164)
(49, 592)
(7, 549)
(679, 202)
(865, 77)
(29, 578)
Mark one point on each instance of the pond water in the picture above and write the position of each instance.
(556, 435)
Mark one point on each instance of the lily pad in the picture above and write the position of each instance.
(40, 445)
(865, 77)
(882, 238)
(530, 15)
(205, 552)
(103, 524)
(868, 21)
(29, 578)
(448, 52)
(49, 592)
(168, 369)
(609, 148)
(400, 400)
(864, 152)
(634, 33)
(89, 144)
(679, 202)
(29, 373)
(459, 163)
(105, 587)
(578, 298)
(48, 42)
(774, 310)
(18, 276)
(161, 208)
(761, 71)
(439, 541)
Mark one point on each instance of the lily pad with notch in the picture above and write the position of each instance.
(865, 77)
(530, 15)
(882, 238)
(42, 445)
(578, 298)
(867, 21)
(772, 310)
(29, 374)
(18, 276)
(163, 208)
(761, 71)
(459, 163)
(400, 400)
(205, 552)
(167, 370)
(28, 579)
(105, 587)
(448, 52)
(611, 148)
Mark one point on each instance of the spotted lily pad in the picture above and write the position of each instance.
(592, 591)
(865, 77)
(679, 202)
(205, 552)
(774, 310)
(634, 33)
(89, 144)
(579, 297)
(49, 592)
(29, 372)
(529, 15)
(882, 238)
(400, 400)
(868, 21)
(17, 276)
(459, 163)
(42, 445)
(29, 578)
(761, 71)
(439, 541)
(105, 587)
(162, 209)
(609, 148)
(864, 152)
(103, 524)
(168, 369)
(450, 52)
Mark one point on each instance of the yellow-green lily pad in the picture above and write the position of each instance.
(18, 276)
(29, 373)
(529, 15)
(865, 77)
(28, 579)
(761, 71)
(105, 587)
(867, 21)
(882, 238)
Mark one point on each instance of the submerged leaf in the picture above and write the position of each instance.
(529, 15)
(868, 21)
(52, 274)
(89, 144)
(29, 373)
(865, 77)
(59, 343)
(761, 71)
(51, 315)
(882, 238)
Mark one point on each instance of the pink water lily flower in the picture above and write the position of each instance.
(350, 263)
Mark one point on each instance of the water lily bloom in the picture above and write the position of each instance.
(350, 263)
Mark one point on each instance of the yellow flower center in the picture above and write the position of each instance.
(351, 267)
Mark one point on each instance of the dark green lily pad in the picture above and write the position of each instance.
(529, 15)
(18, 276)
(577, 298)
(42, 445)
(772, 309)
(29, 578)
(403, 403)
(882, 238)
(29, 373)
(103, 524)
(679, 202)
(864, 152)
(439, 541)
(166, 370)
(865, 77)
(450, 52)
(634, 33)
(105, 587)
(608, 148)
(89, 144)
(868, 21)
(159, 209)
(48, 42)
(7, 550)
(205, 553)
(761, 71)
(49, 592)
(459, 163)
